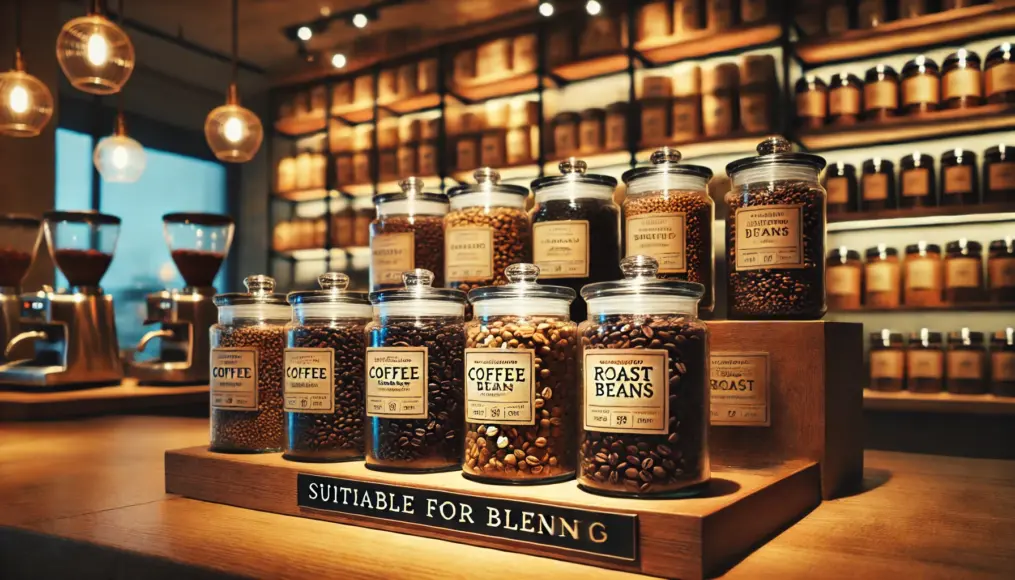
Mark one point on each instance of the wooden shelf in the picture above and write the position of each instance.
(496, 85)
(972, 307)
(706, 43)
(314, 194)
(941, 28)
(354, 113)
(938, 403)
(706, 146)
(413, 104)
(589, 68)
(921, 217)
(299, 127)
(936, 125)
(127, 397)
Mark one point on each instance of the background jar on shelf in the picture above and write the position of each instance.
(342, 223)
(921, 87)
(958, 178)
(1002, 362)
(617, 118)
(877, 185)
(590, 131)
(923, 275)
(882, 278)
(565, 134)
(1001, 270)
(966, 363)
(918, 183)
(887, 361)
(880, 93)
(654, 115)
(407, 233)
(364, 214)
(811, 102)
(871, 13)
(925, 366)
(840, 183)
(999, 75)
(843, 276)
(963, 272)
(759, 92)
(961, 80)
(844, 99)
(719, 110)
(999, 173)
(686, 109)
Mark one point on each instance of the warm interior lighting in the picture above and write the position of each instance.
(304, 33)
(234, 133)
(98, 50)
(18, 99)
(360, 20)
(233, 130)
(593, 7)
(338, 61)
(118, 158)
(26, 105)
(546, 9)
(95, 54)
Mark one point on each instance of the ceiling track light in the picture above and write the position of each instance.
(338, 60)
(360, 20)
(26, 104)
(593, 7)
(96, 55)
(546, 9)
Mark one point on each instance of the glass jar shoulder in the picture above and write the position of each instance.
(572, 209)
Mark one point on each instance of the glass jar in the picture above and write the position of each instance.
(880, 93)
(342, 218)
(840, 183)
(617, 115)
(923, 275)
(958, 178)
(415, 408)
(1001, 270)
(645, 394)
(575, 229)
(486, 230)
(323, 379)
(1002, 362)
(843, 279)
(877, 186)
(999, 174)
(407, 233)
(999, 75)
(685, 112)
(917, 177)
(961, 80)
(590, 131)
(811, 102)
(565, 134)
(775, 235)
(871, 13)
(844, 93)
(882, 278)
(966, 362)
(921, 87)
(925, 366)
(963, 272)
(247, 346)
(887, 361)
(521, 371)
(719, 100)
(668, 214)
(364, 213)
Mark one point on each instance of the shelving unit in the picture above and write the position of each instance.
(922, 217)
(707, 44)
(938, 403)
(973, 307)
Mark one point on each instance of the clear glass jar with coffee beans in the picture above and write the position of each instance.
(486, 230)
(775, 235)
(521, 370)
(645, 396)
(407, 233)
(247, 346)
(323, 384)
(668, 214)
(415, 412)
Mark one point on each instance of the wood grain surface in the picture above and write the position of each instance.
(127, 397)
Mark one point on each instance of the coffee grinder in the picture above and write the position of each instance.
(19, 241)
(198, 243)
(73, 331)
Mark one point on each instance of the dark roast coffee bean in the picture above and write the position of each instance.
(428, 243)
(511, 241)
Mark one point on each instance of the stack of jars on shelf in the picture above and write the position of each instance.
(302, 172)
(831, 17)
(498, 133)
(924, 277)
(966, 362)
(352, 148)
(300, 234)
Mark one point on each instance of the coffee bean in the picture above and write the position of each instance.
(511, 241)
(428, 243)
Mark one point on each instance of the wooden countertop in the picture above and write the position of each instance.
(86, 499)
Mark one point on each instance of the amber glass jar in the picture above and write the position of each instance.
(843, 275)
(565, 134)
(961, 80)
(882, 278)
(1001, 270)
(811, 102)
(999, 174)
(999, 75)
(966, 363)
(963, 272)
(925, 368)
(844, 99)
(921, 87)
(1002, 362)
(917, 177)
(877, 185)
(887, 361)
(590, 131)
(923, 275)
(880, 93)
(958, 178)
(840, 184)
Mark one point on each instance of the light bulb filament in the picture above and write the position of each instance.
(97, 50)
(18, 99)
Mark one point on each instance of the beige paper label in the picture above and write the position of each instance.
(916, 182)
(921, 89)
(923, 274)
(468, 254)
(811, 104)
(875, 186)
(397, 379)
(1002, 175)
(1000, 77)
(882, 277)
(234, 379)
(962, 82)
(881, 95)
(561, 248)
(844, 101)
(769, 236)
(1002, 366)
(958, 179)
(500, 386)
(924, 364)
(309, 380)
(838, 189)
(965, 364)
(660, 235)
(627, 391)
(1002, 272)
(390, 256)
(740, 389)
(843, 281)
(887, 364)
(962, 272)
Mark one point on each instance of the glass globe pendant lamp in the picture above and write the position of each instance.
(95, 54)
(234, 133)
(119, 158)
(26, 105)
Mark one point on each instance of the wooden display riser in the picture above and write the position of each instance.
(127, 397)
(685, 538)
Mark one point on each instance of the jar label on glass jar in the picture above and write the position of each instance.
(1002, 272)
(811, 104)
(1002, 175)
(924, 364)
(1002, 366)
(561, 248)
(626, 391)
(843, 281)
(881, 95)
(500, 386)
(962, 272)
(875, 187)
(965, 364)
(887, 364)
(962, 82)
(882, 277)
(918, 89)
(390, 255)
(844, 101)
(397, 380)
(769, 236)
(740, 392)
(233, 383)
(662, 236)
(923, 274)
(916, 182)
(958, 179)
(1000, 78)
(838, 190)
(468, 254)
(309, 380)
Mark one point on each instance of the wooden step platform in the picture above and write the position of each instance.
(127, 397)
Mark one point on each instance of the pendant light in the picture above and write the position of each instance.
(26, 105)
(233, 132)
(96, 55)
(119, 158)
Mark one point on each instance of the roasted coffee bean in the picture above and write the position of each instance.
(511, 242)
(790, 293)
(428, 244)
(652, 464)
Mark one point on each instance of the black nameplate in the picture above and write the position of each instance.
(606, 534)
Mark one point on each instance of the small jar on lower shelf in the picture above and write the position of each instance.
(963, 272)
(1001, 270)
(882, 275)
(843, 274)
(958, 178)
(887, 361)
(925, 368)
(917, 178)
(811, 102)
(999, 173)
(877, 185)
(965, 362)
(840, 184)
(1002, 363)
(923, 275)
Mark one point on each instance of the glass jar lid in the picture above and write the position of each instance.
(1004, 337)
(810, 83)
(925, 337)
(1006, 245)
(1001, 52)
(573, 182)
(922, 248)
(521, 296)
(665, 172)
(840, 169)
(962, 58)
(82, 217)
(878, 165)
(964, 246)
(1000, 152)
(259, 301)
(881, 251)
(843, 79)
(879, 73)
(959, 157)
(966, 337)
(419, 298)
(843, 254)
(775, 152)
(333, 299)
(412, 189)
(487, 191)
(887, 338)
(642, 291)
(919, 65)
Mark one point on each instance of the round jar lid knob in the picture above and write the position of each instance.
(639, 266)
(411, 184)
(666, 155)
(259, 284)
(774, 144)
(417, 279)
(522, 273)
(486, 175)
(573, 165)
(333, 281)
